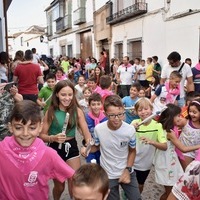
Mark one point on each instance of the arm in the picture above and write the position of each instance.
(40, 102)
(153, 98)
(162, 81)
(15, 79)
(190, 84)
(171, 136)
(46, 67)
(158, 145)
(44, 135)
(40, 79)
(125, 177)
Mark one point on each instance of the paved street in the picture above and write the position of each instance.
(152, 191)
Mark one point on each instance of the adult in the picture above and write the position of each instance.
(19, 57)
(28, 75)
(125, 73)
(36, 57)
(174, 59)
(8, 97)
(3, 67)
(156, 67)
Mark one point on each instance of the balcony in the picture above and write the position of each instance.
(63, 24)
(127, 13)
(79, 16)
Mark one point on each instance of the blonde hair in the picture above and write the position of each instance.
(143, 102)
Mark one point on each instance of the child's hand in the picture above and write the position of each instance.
(60, 138)
(43, 104)
(145, 140)
(83, 151)
(125, 177)
(135, 124)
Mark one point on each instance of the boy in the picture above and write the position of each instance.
(94, 117)
(26, 162)
(90, 181)
(117, 146)
(105, 84)
(167, 93)
(92, 83)
(129, 101)
(46, 92)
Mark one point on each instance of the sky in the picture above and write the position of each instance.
(24, 13)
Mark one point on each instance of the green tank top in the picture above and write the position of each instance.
(57, 124)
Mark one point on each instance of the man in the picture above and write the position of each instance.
(175, 63)
(125, 74)
(28, 75)
(36, 58)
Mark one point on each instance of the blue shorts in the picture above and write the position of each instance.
(94, 155)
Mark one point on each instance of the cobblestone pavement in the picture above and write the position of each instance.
(152, 191)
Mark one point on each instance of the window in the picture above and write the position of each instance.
(63, 50)
(70, 51)
(134, 49)
(21, 41)
(119, 51)
(51, 52)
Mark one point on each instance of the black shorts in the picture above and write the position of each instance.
(141, 176)
(68, 150)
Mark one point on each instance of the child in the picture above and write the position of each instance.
(105, 84)
(153, 86)
(149, 137)
(129, 101)
(94, 117)
(167, 93)
(26, 158)
(190, 134)
(141, 92)
(46, 92)
(84, 102)
(60, 74)
(117, 146)
(92, 84)
(64, 101)
(167, 165)
(90, 181)
(79, 88)
(149, 69)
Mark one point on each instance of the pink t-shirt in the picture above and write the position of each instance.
(21, 183)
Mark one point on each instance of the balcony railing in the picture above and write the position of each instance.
(63, 23)
(129, 12)
(79, 16)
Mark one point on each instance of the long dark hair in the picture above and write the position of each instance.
(167, 117)
(71, 109)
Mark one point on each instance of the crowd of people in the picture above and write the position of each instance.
(132, 115)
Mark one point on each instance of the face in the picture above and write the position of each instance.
(179, 121)
(87, 94)
(65, 96)
(194, 114)
(97, 71)
(91, 84)
(25, 134)
(141, 93)
(81, 81)
(174, 82)
(95, 107)
(125, 61)
(59, 74)
(86, 193)
(133, 92)
(115, 117)
(51, 83)
(153, 79)
(144, 112)
(142, 63)
(174, 63)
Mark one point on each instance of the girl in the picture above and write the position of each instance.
(60, 74)
(98, 73)
(190, 134)
(63, 101)
(153, 86)
(167, 165)
(149, 136)
(79, 88)
(84, 102)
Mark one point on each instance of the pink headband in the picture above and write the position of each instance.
(196, 102)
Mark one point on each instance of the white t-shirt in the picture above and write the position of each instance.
(114, 145)
(142, 73)
(186, 72)
(36, 58)
(126, 74)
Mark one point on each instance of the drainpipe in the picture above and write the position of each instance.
(6, 26)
